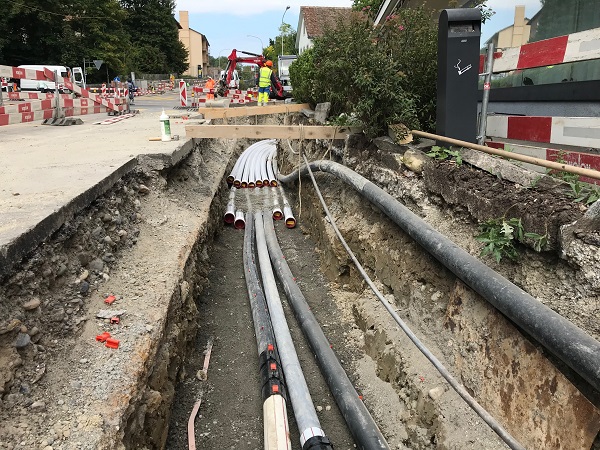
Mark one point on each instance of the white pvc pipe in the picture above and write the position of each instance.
(229, 216)
(290, 220)
(277, 213)
(240, 221)
(270, 173)
(304, 410)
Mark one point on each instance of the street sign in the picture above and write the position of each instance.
(98, 63)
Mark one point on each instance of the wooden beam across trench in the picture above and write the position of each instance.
(243, 111)
(269, 131)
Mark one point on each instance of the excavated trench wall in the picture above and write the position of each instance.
(507, 373)
(130, 408)
(145, 240)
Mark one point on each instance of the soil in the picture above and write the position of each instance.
(230, 415)
(175, 275)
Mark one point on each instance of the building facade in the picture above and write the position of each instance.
(197, 46)
(313, 22)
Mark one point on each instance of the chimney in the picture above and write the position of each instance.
(184, 20)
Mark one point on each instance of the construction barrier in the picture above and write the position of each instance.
(43, 106)
(531, 130)
(581, 46)
(183, 99)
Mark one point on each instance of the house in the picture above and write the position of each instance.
(197, 46)
(389, 6)
(514, 35)
(314, 21)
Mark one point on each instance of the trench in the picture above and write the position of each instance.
(205, 298)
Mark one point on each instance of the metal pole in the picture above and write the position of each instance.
(489, 64)
(1, 94)
(286, 10)
(58, 112)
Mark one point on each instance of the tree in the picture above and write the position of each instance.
(273, 50)
(155, 35)
(367, 5)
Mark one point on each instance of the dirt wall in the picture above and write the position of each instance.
(505, 372)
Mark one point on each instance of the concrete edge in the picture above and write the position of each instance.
(13, 253)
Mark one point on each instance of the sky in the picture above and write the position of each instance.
(243, 24)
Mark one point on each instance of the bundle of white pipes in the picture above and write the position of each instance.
(257, 167)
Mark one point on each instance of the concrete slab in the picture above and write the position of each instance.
(50, 173)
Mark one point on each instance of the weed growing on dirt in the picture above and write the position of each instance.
(442, 154)
(500, 236)
(580, 191)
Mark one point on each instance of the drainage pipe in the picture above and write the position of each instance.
(511, 155)
(270, 170)
(569, 343)
(311, 434)
(277, 213)
(290, 220)
(239, 222)
(238, 168)
(229, 217)
(276, 429)
(357, 417)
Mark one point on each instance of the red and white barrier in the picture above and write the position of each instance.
(581, 46)
(183, 100)
(577, 159)
(13, 96)
(577, 131)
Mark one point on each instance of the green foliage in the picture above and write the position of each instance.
(580, 191)
(129, 35)
(370, 7)
(500, 236)
(379, 74)
(442, 154)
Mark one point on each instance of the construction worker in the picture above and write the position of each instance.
(210, 84)
(264, 83)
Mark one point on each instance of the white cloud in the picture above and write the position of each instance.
(245, 7)
(504, 5)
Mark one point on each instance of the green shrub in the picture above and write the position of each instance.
(383, 75)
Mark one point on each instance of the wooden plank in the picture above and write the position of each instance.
(220, 113)
(269, 131)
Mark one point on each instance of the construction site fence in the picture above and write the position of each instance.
(32, 106)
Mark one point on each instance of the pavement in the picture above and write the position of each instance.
(49, 173)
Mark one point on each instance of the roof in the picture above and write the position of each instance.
(317, 19)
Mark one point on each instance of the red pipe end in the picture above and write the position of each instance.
(290, 223)
(277, 215)
(229, 218)
(273, 183)
(251, 185)
(230, 180)
(244, 184)
(237, 184)
(239, 224)
(259, 183)
(266, 183)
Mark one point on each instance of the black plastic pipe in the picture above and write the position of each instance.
(276, 429)
(569, 343)
(361, 424)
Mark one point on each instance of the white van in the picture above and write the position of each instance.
(75, 75)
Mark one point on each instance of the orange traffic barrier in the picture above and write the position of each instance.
(112, 343)
(103, 337)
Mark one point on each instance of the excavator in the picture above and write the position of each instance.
(233, 59)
